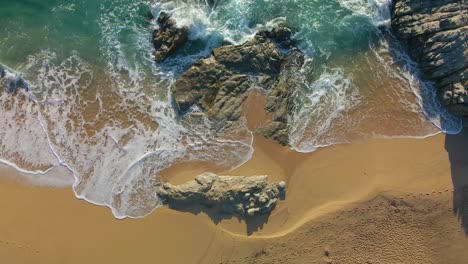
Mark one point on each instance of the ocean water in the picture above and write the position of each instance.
(97, 112)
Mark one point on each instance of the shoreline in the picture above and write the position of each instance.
(324, 183)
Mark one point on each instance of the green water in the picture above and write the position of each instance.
(61, 26)
(324, 27)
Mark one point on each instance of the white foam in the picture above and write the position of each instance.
(425, 92)
(378, 11)
(115, 155)
(320, 104)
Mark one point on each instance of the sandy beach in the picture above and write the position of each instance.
(332, 124)
(380, 200)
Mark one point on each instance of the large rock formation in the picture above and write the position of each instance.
(435, 32)
(227, 194)
(168, 38)
(219, 85)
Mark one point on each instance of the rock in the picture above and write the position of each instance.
(279, 100)
(282, 185)
(215, 89)
(227, 194)
(435, 33)
(10, 81)
(219, 85)
(259, 55)
(168, 38)
(2, 72)
(281, 34)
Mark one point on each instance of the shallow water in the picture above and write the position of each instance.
(98, 106)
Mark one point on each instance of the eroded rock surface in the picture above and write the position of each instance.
(435, 32)
(168, 38)
(280, 101)
(219, 84)
(227, 194)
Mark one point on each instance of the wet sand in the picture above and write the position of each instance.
(339, 200)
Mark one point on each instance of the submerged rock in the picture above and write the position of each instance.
(228, 194)
(11, 82)
(435, 33)
(168, 38)
(219, 85)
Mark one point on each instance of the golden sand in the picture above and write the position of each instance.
(340, 195)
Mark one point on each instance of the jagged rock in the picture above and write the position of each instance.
(228, 194)
(281, 34)
(168, 37)
(279, 100)
(259, 55)
(219, 85)
(435, 33)
(215, 89)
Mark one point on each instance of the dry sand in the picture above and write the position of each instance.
(380, 201)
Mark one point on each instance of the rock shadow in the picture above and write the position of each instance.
(434, 109)
(457, 148)
(253, 223)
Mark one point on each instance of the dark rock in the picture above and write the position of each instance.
(256, 56)
(11, 82)
(276, 130)
(281, 34)
(215, 89)
(279, 100)
(228, 194)
(435, 33)
(168, 38)
(219, 84)
(2, 72)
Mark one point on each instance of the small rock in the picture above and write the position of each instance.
(282, 185)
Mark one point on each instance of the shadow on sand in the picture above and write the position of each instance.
(253, 223)
(455, 145)
(457, 148)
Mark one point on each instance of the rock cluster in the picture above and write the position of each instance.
(168, 38)
(219, 84)
(243, 196)
(435, 33)
(10, 81)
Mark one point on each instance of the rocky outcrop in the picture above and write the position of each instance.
(219, 85)
(435, 33)
(212, 87)
(279, 100)
(11, 82)
(257, 56)
(168, 37)
(227, 194)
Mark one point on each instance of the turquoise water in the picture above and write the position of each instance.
(98, 112)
